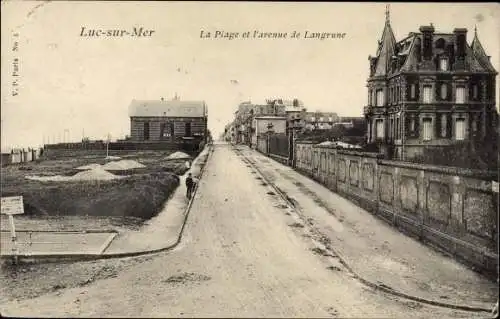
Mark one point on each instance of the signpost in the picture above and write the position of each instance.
(12, 206)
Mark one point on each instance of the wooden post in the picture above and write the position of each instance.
(13, 238)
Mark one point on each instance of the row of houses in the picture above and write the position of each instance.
(17, 156)
(429, 91)
(279, 116)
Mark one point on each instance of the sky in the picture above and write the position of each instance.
(71, 86)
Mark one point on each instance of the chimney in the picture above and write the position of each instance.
(460, 42)
(427, 34)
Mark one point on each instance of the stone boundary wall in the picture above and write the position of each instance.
(452, 209)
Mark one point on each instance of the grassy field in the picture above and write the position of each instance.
(136, 198)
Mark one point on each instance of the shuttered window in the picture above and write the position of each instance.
(460, 94)
(460, 129)
(398, 128)
(475, 92)
(443, 125)
(443, 64)
(427, 94)
(379, 128)
(380, 97)
(444, 91)
(427, 128)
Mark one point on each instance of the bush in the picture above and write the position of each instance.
(466, 155)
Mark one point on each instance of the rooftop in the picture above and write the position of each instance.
(170, 108)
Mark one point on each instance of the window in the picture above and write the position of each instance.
(444, 92)
(391, 129)
(313, 119)
(460, 129)
(475, 92)
(146, 131)
(162, 131)
(427, 94)
(474, 124)
(379, 128)
(397, 128)
(443, 64)
(460, 94)
(413, 91)
(443, 125)
(412, 124)
(427, 128)
(187, 129)
(380, 97)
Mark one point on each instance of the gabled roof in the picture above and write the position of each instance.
(385, 50)
(172, 108)
(479, 53)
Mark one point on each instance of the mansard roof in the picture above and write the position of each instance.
(406, 51)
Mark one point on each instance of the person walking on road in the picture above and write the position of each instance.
(189, 186)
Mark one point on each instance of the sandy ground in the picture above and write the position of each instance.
(375, 250)
(241, 256)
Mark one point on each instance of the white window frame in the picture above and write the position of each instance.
(443, 64)
(427, 128)
(427, 94)
(460, 94)
(379, 128)
(460, 129)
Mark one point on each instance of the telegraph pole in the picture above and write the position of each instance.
(107, 146)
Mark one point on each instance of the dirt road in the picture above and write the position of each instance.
(242, 255)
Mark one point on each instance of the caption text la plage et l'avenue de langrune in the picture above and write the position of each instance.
(256, 34)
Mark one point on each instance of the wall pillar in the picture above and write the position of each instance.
(457, 201)
(422, 184)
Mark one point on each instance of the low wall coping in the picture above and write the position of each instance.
(475, 173)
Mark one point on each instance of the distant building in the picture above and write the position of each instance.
(168, 121)
(320, 120)
(264, 124)
(430, 89)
